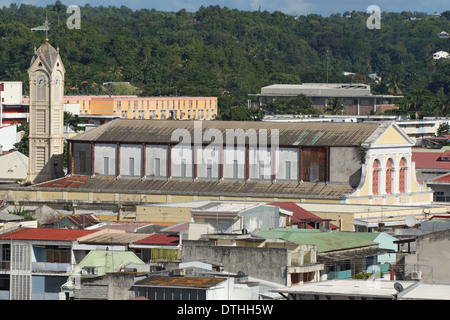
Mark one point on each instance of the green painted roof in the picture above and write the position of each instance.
(370, 236)
(325, 241)
(107, 261)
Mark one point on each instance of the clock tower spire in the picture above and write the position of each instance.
(46, 137)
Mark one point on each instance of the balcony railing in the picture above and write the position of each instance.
(51, 267)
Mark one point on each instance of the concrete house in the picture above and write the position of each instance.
(342, 253)
(290, 263)
(423, 257)
(92, 279)
(161, 251)
(77, 221)
(164, 287)
(237, 217)
(36, 262)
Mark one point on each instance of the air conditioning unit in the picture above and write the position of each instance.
(416, 275)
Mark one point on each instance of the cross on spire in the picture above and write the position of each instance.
(47, 27)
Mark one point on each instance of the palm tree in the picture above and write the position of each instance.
(58, 7)
(395, 85)
(443, 101)
(416, 100)
(334, 106)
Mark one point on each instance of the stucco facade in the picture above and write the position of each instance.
(46, 77)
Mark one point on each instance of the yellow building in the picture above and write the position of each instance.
(388, 172)
(134, 107)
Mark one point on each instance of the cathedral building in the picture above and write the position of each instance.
(353, 163)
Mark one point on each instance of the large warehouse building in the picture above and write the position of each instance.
(356, 99)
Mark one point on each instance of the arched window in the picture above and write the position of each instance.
(402, 176)
(375, 177)
(389, 176)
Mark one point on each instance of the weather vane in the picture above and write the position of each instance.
(45, 27)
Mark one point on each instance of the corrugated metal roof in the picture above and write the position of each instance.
(48, 234)
(82, 220)
(213, 187)
(160, 239)
(429, 160)
(325, 241)
(128, 226)
(179, 282)
(107, 261)
(65, 182)
(290, 133)
(13, 166)
(112, 237)
(6, 216)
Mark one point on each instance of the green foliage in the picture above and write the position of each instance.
(27, 215)
(444, 128)
(335, 106)
(123, 89)
(241, 114)
(230, 53)
(73, 121)
(365, 275)
(23, 145)
(300, 104)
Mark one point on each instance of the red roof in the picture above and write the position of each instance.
(161, 239)
(444, 178)
(298, 213)
(48, 234)
(430, 160)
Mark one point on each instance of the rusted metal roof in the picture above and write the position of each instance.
(82, 220)
(290, 133)
(112, 237)
(212, 187)
(179, 282)
(65, 182)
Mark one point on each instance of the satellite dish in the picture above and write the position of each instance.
(398, 287)
(410, 221)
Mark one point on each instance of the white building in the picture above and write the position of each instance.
(440, 55)
(8, 137)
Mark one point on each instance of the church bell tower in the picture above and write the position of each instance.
(46, 136)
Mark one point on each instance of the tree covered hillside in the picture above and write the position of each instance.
(230, 53)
